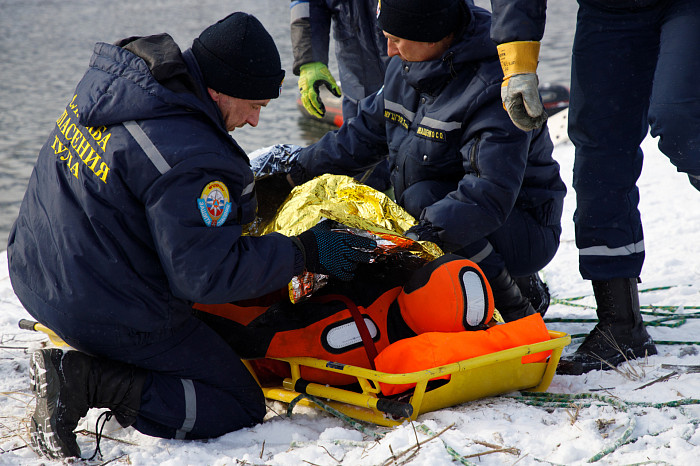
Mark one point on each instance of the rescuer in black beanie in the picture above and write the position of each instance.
(238, 58)
(422, 21)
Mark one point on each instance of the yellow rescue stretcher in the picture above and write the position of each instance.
(483, 376)
(471, 379)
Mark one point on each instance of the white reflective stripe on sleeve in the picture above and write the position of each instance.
(394, 107)
(627, 250)
(298, 9)
(190, 409)
(438, 124)
(474, 298)
(147, 145)
(481, 255)
(248, 189)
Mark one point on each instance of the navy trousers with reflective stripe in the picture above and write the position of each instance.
(522, 245)
(630, 70)
(197, 386)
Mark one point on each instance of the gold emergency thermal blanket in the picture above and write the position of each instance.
(354, 205)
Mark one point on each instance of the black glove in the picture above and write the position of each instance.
(273, 160)
(424, 231)
(334, 253)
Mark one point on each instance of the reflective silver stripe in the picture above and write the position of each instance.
(389, 105)
(606, 251)
(443, 125)
(190, 409)
(298, 10)
(481, 255)
(697, 177)
(475, 298)
(147, 145)
(347, 335)
(248, 189)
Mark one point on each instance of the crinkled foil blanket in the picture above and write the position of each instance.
(357, 207)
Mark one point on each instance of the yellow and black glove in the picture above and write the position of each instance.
(311, 77)
(519, 93)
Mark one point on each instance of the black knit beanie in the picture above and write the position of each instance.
(420, 20)
(238, 58)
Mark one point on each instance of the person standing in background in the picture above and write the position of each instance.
(360, 50)
(633, 69)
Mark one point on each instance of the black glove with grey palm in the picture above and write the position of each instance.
(425, 231)
(332, 252)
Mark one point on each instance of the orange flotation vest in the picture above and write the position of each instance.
(435, 349)
(446, 303)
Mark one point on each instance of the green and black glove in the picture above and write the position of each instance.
(332, 252)
(311, 77)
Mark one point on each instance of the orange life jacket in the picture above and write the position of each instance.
(435, 349)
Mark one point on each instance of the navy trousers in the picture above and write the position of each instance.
(197, 387)
(631, 70)
(522, 245)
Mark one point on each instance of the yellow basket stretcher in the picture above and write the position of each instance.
(470, 379)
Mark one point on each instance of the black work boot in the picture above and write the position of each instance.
(508, 299)
(535, 290)
(619, 334)
(69, 383)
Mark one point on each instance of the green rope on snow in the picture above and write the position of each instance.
(565, 400)
(618, 443)
(568, 399)
(293, 403)
(451, 451)
(347, 419)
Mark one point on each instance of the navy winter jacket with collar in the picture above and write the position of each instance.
(515, 20)
(457, 160)
(113, 230)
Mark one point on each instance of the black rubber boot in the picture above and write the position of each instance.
(619, 334)
(508, 299)
(67, 384)
(535, 290)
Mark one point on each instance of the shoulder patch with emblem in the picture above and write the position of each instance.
(214, 204)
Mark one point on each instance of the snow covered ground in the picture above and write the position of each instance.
(634, 416)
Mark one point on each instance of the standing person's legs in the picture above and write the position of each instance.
(674, 114)
(613, 64)
(614, 59)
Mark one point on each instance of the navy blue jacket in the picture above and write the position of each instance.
(515, 20)
(359, 42)
(113, 229)
(456, 159)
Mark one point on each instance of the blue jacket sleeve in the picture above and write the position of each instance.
(310, 30)
(494, 156)
(516, 20)
(212, 264)
(357, 146)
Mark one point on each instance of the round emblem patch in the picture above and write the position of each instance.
(214, 204)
